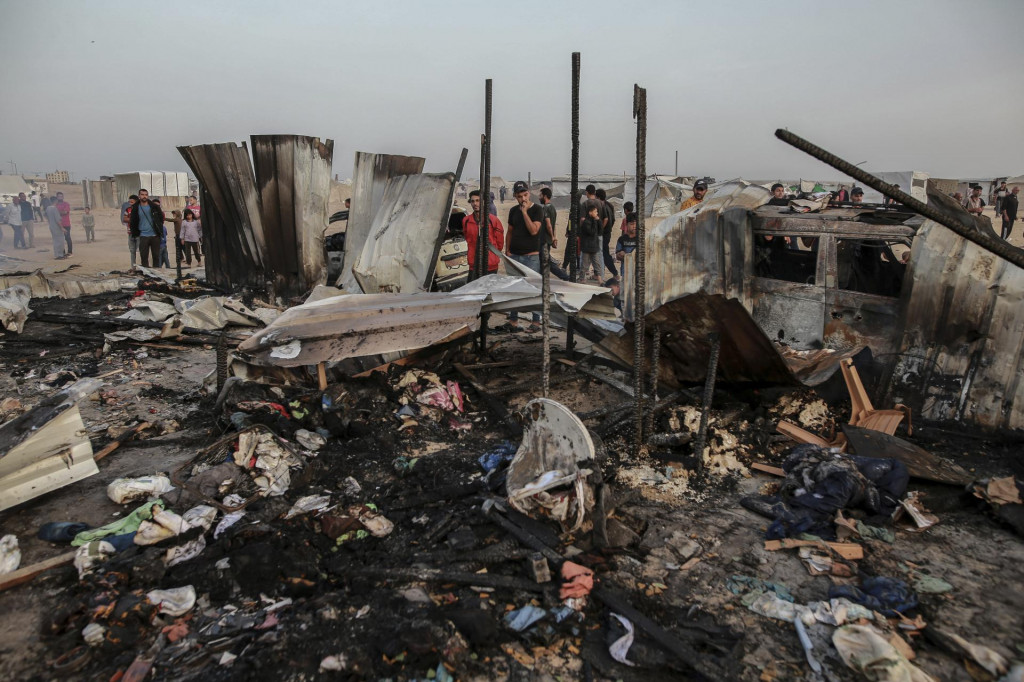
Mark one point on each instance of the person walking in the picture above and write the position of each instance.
(1001, 193)
(1009, 212)
(191, 236)
(146, 223)
(975, 204)
(36, 203)
(56, 232)
(28, 218)
(607, 223)
(12, 216)
(89, 224)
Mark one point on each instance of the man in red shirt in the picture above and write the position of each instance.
(471, 230)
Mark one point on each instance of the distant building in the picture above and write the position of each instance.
(58, 177)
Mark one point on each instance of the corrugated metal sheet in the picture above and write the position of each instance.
(961, 343)
(703, 249)
(369, 179)
(355, 325)
(400, 253)
(293, 176)
(507, 292)
(255, 240)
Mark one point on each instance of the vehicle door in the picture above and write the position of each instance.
(788, 288)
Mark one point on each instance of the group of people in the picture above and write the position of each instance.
(23, 212)
(145, 222)
(531, 225)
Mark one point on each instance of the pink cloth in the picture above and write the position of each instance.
(579, 581)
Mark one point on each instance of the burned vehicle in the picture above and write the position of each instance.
(940, 314)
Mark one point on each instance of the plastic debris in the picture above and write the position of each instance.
(545, 476)
(310, 439)
(307, 504)
(92, 554)
(522, 618)
(742, 584)
(863, 649)
(494, 458)
(61, 531)
(174, 602)
(619, 649)
(94, 634)
(10, 554)
(333, 663)
(579, 581)
(888, 596)
(122, 490)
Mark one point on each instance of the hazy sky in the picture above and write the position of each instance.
(100, 87)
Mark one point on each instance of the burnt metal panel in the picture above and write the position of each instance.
(369, 179)
(399, 255)
(293, 174)
(356, 325)
(960, 346)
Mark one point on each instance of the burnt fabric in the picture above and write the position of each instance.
(888, 596)
(819, 482)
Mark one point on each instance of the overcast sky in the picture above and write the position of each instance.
(100, 87)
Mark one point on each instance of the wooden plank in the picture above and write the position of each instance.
(321, 375)
(125, 437)
(800, 435)
(23, 575)
(768, 469)
(847, 550)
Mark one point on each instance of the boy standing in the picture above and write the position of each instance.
(590, 243)
(89, 223)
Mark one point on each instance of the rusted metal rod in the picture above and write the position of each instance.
(640, 272)
(709, 394)
(964, 228)
(545, 311)
(655, 351)
(574, 200)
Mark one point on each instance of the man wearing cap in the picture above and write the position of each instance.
(857, 195)
(700, 188)
(1009, 211)
(523, 244)
(1001, 194)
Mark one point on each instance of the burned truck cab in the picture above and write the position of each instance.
(829, 279)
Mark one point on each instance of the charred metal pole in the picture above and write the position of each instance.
(574, 189)
(483, 236)
(545, 319)
(640, 272)
(967, 230)
(709, 394)
(655, 352)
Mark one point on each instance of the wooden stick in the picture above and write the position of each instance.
(321, 375)
(125, 437)
(23, 575)
(847, 550)
(768, 469)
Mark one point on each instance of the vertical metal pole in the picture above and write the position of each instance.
(529, 181)
(545, 269)
(709, 394)
(655, 353)
(484, 221)
(677, 163)
(481, 253)
(574, 189)
(639, 286)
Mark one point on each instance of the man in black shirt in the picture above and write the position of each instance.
(1009, 211)
(523, 243)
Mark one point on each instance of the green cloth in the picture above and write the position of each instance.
(549, 212)
(929, 584)
(875, 533)
(128, 524)
(741, 584)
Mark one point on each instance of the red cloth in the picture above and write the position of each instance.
(496, 238)
(579, 581)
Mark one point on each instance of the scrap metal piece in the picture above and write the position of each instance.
(370, 177)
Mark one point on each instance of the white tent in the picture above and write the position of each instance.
(159, 183)
(11, 186)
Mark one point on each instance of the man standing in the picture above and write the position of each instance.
(857, 195)
(700, 188)
(550, 220)
(501, 193)
(146, 222)
(607, 214)
(471, 231)
(523, 245)
(13, 218)
(1001, 193)
(89, 224)
(36, 206)
(64, 208)
(28, 218)
(975, 204)
(1009, 212)
(126, 212)
(842, 195)
(56, 233)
